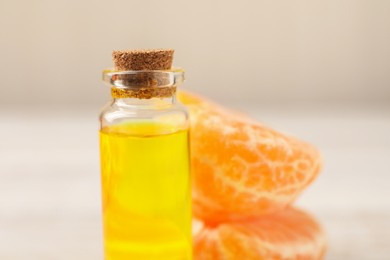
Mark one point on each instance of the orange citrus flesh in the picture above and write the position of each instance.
(288, 234)
(242, 168)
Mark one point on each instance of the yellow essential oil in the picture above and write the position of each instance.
(146, 192)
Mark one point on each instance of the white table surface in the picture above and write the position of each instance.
(50, 186)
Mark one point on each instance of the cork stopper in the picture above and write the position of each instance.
(153, 59)
(145, 73)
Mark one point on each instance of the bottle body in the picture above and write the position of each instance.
(145, 175)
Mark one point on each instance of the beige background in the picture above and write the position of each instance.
(257, 51)
(319, 70)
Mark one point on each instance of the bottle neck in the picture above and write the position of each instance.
(150, 103)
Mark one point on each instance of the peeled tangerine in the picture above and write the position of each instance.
(241, 168)
(288, 234)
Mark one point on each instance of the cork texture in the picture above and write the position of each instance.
(143, 93)
(143, 79)
(153, 59)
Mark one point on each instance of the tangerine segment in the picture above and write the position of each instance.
(242, 168)
(288, 234)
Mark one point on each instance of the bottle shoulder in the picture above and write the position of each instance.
(113, 113)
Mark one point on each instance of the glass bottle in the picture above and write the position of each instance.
(145, 169)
